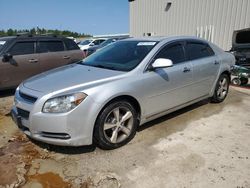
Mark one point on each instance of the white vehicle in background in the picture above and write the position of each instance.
(86, 44)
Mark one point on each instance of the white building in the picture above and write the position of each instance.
(214, 20)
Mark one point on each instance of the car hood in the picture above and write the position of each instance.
(70, 77)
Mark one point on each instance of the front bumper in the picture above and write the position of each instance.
(74, 128)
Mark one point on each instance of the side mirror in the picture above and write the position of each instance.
(7, 57)
(162, 63)
(91, 44)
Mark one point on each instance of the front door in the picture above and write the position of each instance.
(23, 64)
(165, 88)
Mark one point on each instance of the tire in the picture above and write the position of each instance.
(221, 89)
(116, 125)
(243, 81)
(236, 81)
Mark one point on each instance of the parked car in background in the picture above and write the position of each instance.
(24, 56)
(241, 47)
(109, 41)
(104, 98)
(86, 44)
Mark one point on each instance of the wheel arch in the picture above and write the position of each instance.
(134, 102)
(226, 72)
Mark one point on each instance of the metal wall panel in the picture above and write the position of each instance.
(214, 20)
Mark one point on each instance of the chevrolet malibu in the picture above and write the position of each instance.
(105, 97)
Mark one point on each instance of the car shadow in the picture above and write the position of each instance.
(7, 93)
(172, 115)
(64, 149)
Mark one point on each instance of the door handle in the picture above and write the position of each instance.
(186, 69)
(216, 62)
(33, 60)
(66, 57)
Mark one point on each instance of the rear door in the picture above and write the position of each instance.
(205, 67)
(52, 54)
(23, 64)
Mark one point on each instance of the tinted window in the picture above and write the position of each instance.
(243, 37)
(174, 52)
(122, 56)
(97, 42)
(198, 50)
(50, 46)
(71, 45)
(21, 48)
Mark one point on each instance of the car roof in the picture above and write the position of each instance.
(7, 38)
(32, 37)
(159, 39)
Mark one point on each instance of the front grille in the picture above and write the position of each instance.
(28, 97)
(23, 113)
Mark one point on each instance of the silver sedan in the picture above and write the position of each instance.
(105, 97)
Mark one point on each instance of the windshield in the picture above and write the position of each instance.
(2, 42)
(85, 42)
(121, 55)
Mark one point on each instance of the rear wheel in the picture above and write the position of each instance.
(116, 125)
(221, 89)
(244, 81)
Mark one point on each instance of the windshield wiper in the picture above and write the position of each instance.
(99, 66)
(104, 67)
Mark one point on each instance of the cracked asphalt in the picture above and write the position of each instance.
(203, 145)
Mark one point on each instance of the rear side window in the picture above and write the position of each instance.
(22, 48)
(71, 45)
(173, 52)
(197, 50)
(50, 46)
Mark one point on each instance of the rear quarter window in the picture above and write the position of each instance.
(71, 45)
(50, 46)
(196, 50)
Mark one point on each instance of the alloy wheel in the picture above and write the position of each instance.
(118, 124)
(223, 88)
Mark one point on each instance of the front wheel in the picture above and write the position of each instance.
(116, 125)
(221, 89)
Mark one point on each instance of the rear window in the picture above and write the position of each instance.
(71, 45)
(243, 37)
(50, 46)
(197, 50)
(22, 48)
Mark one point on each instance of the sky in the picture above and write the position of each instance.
(95, 17)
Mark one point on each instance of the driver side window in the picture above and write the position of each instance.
(174, 52)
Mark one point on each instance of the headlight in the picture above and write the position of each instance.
(64, 103)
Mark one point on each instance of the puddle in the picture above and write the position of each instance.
(49, 180)
(16, 158)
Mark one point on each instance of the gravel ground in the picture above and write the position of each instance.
(204, 145)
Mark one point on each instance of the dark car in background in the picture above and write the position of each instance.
(241, 47)
(26, 55)
(93, 49)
